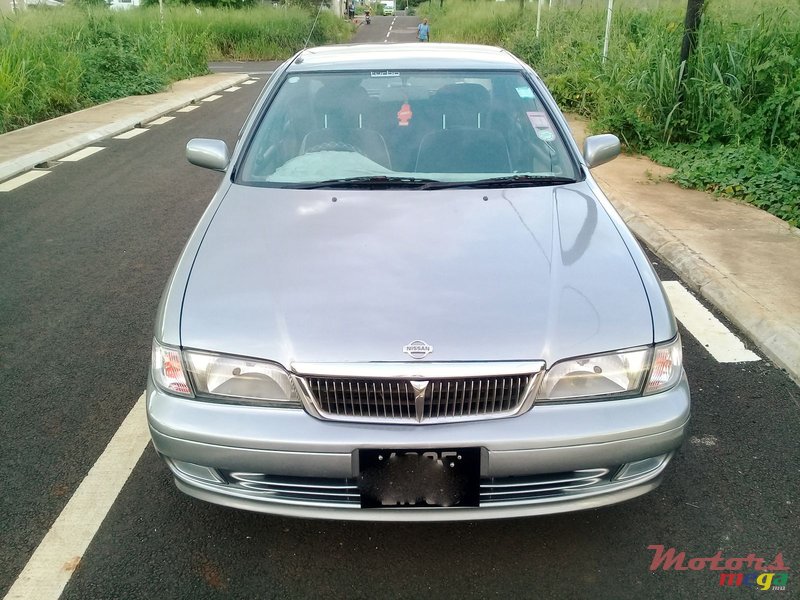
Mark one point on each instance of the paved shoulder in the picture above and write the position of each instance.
(23, 149)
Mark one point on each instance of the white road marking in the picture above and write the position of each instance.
(81, 154)
(249, 82)
(233, 88)
(388, 33)
(720, 343)
(55, 560)
(13, 184)
(211, 98)
(161, 121)
(188, 108)
(131, 133)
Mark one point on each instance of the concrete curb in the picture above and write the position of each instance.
(779, 343)
(174, 101)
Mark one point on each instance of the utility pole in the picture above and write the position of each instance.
(539, 17)
(609, 14)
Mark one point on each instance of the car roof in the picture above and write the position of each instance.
(404, 56)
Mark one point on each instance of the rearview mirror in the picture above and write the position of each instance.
(210, 154)
(599, 149)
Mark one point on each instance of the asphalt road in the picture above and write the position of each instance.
(86, 252)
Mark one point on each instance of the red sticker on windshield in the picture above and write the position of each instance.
(404, 115)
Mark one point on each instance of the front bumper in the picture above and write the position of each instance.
(548, 439)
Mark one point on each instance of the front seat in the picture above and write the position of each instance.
(463, 151)
(368, 142)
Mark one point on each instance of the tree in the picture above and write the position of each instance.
(694, 12)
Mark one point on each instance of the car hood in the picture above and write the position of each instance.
(356, 275)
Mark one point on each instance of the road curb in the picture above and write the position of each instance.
(176, 100)
(777, 341)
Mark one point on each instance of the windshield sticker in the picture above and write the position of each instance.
(546, 136)
(525, 92)
(404, 115)
(384, 74)
(294, 79)
(541, 125)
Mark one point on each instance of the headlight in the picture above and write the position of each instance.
(241, 379)
(599, 376)
(614, 375)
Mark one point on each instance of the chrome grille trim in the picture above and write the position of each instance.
(343, 493)
(294, 490)
(413, 400)
(418, 370)
(514, 490)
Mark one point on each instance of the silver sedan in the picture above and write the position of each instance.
(409, 300)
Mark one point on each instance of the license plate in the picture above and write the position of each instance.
(419, 478)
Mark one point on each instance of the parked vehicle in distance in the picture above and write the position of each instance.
(123, 4)
(409, 300)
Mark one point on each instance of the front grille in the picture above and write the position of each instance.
(417, 401)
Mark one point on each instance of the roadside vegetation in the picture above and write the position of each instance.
(57, 61)
(731, 125)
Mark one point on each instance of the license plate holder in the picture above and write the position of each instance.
(448, 477)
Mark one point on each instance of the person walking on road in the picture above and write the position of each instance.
(423, 31)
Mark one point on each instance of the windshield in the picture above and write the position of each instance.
(402, 127)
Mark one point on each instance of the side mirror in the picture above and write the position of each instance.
(599, 149)
(210, 154)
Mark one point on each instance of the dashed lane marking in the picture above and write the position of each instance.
(13, 184)
(188, 108)
(211, 98)
(161, 121)
(55, 560)
(249, 82)
(81, 154)
(233, 88)
(705, 327)
(131, 133)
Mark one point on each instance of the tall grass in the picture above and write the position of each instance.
(57, 61)
(741, 89)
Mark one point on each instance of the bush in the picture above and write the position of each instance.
(745, 172)
(58, 61)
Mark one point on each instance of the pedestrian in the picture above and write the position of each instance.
(423, 31)
(351, 11)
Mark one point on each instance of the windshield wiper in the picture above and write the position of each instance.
(506, 181)
(368, 181)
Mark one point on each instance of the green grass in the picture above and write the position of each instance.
(732, 125)
(56, 61)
